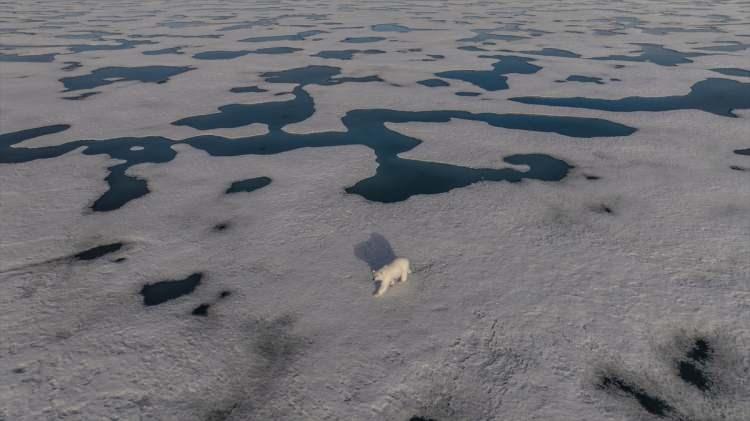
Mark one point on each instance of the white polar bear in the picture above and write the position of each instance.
(398, 269)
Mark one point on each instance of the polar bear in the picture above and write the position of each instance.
(398, 269)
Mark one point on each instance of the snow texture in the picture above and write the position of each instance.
(591, 267)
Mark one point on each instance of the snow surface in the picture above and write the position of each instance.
(524, 297)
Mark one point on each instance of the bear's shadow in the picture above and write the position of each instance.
(376, 251)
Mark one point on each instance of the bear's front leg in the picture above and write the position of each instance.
(382, 288)
(404, 275)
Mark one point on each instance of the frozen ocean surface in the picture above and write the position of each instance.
(193, 195)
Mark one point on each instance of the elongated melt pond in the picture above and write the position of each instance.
(109, 75)
(716, 96)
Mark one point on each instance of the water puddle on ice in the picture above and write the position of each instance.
(552, 52)
(201, 310)
(582, 79)
(228, 55)
(692, 368)
(651, 404)
(716, 96)
(247, 89)
(164, 51)
(97, 252)
(362, 40)
(249, 185)
(122, 44)
(17, 58)
(345, 54)
(433, 83)
(494, 80)
(109, 75)
(301, 36)
(390, 27)
(733, 71)
(161, 292)
(656, 54)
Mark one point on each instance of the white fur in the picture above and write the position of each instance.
(398, 269)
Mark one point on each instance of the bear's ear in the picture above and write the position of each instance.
(373, 271)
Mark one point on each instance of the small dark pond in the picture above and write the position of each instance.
(161, 292)
(99, 251)
(249, 185)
